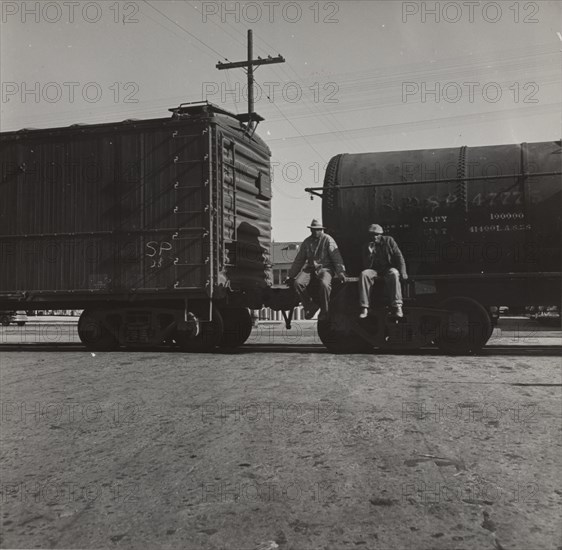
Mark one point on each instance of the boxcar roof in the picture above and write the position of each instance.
(185, 111)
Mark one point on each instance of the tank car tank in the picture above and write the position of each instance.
(478, 226)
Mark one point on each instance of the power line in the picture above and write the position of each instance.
(329, 118)
(221, 28)
(146, 14)
(185, 30)
(486, 116)
(300, 134)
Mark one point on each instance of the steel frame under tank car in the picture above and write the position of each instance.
(478, 227)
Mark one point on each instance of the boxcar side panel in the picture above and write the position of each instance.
(106, 209)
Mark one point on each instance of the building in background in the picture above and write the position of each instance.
(282, 256)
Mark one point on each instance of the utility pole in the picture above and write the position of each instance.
(251, 116)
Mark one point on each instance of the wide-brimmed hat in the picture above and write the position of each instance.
(315, 224)
(376, 228)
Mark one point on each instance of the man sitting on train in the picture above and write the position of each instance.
(381, 258)
(320, 257)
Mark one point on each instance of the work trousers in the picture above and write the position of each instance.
(302, 280)
(392, 287)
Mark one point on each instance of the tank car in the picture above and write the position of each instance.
(478, 226)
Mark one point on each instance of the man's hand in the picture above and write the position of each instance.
(289, 281)
(342, 276)
(404, 276)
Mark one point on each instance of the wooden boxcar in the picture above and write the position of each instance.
(159, 229)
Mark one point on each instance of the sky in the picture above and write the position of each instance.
(358, 76)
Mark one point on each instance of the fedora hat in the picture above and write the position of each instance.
(315, 224)
(376, 228)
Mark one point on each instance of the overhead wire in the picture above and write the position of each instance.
(329, 118)
(217, 25)
(439, 122)
(147, 14)
(358, 85)
(185, 30)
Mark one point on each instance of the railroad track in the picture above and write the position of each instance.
(548, 350)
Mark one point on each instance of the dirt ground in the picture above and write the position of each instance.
(280, 445)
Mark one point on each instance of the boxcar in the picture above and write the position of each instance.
(159, 229)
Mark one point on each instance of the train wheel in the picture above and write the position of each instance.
(5, 320)
(338, 340)
(468, 329)
(492, 327)
(237, 327)
(337, 333)
(93, 334)
(209, 337)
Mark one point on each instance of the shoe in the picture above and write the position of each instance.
(364, 313)
(397, 312)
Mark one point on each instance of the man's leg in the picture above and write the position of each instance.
(302, 280)
(325, 278)
(394, 290)
(366, 281)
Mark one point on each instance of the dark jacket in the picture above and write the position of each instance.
(391, 256)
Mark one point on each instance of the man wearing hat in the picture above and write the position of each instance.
(320, 257)
(381, 258)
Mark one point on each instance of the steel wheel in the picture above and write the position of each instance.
(209, 337)
(94, 334)
(338, 339)
(336, 333)
(237, 327)
(468, 329)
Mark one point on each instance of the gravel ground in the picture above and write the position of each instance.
(281, 445)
